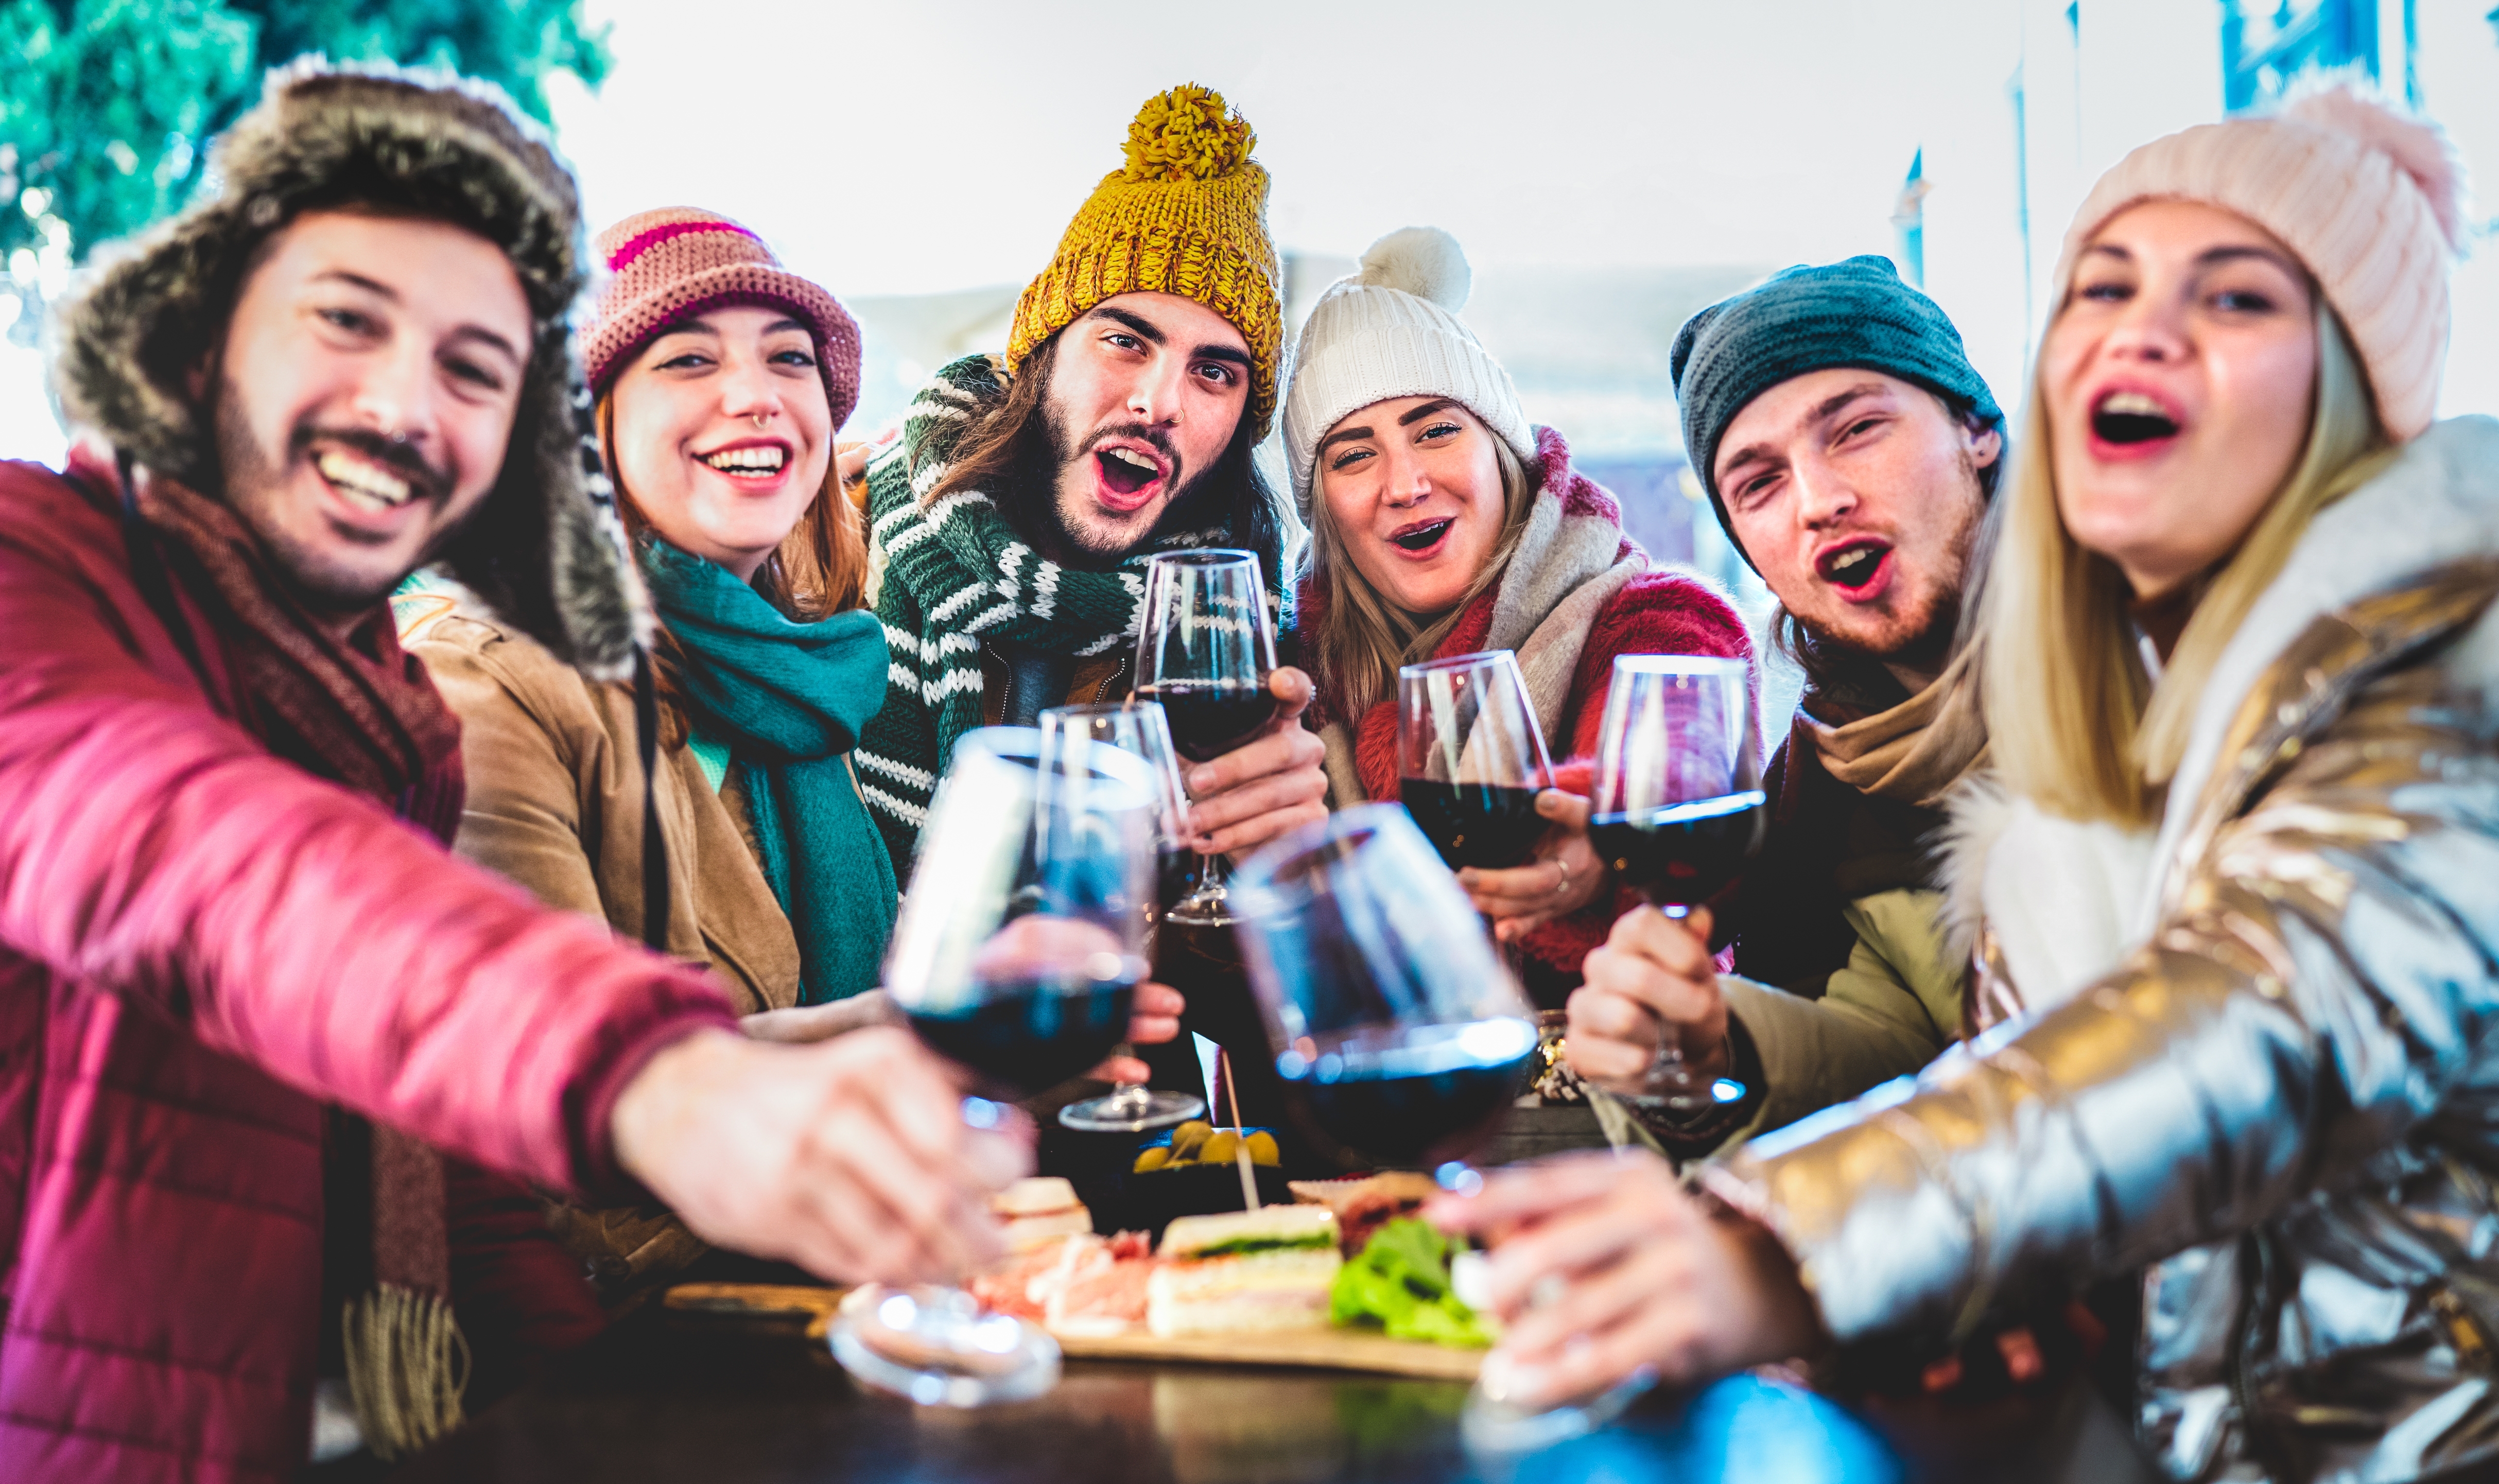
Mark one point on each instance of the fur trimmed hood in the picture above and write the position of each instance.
(544, 549)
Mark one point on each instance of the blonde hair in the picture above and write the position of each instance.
(1358, 649)
(2074, 723)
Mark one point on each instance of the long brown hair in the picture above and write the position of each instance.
(818, 569)
(1364, 639)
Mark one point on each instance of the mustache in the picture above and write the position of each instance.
(430, 483)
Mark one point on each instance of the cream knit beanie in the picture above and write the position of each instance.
(1392, 330)
(2372, 201)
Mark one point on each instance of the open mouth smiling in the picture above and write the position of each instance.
(2130, 419)
(1128, 472)
(365, 484)
(748, 461)
(1854, 566)
(1421, 536)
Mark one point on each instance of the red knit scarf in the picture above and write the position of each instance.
(351, 706)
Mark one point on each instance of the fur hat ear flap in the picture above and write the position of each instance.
(546, 550)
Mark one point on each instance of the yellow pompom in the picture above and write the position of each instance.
(1187, 133)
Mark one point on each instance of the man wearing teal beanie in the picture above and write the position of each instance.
(1850, 449)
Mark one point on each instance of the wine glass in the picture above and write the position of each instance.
(1136, 727)
(1204, 652)
(1017, 954)
(1398, 1032)
(1679, 807)
(1470, 759)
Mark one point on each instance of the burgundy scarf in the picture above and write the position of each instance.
(349, 706)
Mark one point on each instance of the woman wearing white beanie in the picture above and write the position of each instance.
(1443, 523)
(2238, 885)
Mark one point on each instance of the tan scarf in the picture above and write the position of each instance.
(357, 710)
(1917, 751)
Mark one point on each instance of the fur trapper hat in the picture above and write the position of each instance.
(544, 549)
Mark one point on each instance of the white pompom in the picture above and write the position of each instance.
(1425, 261)
(2419, 148)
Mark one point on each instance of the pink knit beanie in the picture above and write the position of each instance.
(2370, 198)
(665, 265)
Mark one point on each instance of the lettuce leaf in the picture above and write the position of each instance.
(1401, 1284)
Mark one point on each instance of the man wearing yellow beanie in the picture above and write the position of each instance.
(1011, 522)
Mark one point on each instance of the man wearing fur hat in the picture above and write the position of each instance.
(244, 992)
(1849, 449)
(1012, 521)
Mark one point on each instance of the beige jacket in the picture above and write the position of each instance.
(554, 802)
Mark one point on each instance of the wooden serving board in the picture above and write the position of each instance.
(1321, 1349)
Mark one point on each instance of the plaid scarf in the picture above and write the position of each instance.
(956, 576)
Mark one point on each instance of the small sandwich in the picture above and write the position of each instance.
(1244, 1272)
(1039, 1212)
(1366, 1203)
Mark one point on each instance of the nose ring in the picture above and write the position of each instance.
(758, 419)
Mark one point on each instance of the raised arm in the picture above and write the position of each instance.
(2319, 990)
(154, 850)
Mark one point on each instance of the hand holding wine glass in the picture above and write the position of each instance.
(1679, 807)
(1651, 978)
(1016, 957)
(1605, 1270)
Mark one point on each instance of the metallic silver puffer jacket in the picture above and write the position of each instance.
(2285, 1105)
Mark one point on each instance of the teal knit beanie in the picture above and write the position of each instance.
(1856, 312)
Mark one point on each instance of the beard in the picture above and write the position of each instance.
(1922, 633)
(254, 483)
(1053, 521)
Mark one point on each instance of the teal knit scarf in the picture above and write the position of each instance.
(791, 699)
(956, 576)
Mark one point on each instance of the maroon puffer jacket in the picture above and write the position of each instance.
(200, 945)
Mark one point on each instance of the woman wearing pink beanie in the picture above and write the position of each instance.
(721, 379)
(2235, 883)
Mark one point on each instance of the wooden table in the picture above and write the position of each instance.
(674, 1397)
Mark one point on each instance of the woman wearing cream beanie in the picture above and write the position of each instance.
(1443, 524)
(2239, 881)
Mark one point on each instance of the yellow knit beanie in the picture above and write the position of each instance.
(1186, 215)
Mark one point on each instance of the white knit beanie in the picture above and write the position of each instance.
(2371, 200)
(1392, 330)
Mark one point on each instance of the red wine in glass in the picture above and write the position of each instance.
(1472, 758)
(1680, 855)
(1209, 718)
(1027, 1035)
(1400, 1036)
(1413, 1097)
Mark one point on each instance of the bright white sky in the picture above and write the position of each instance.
(908, 147)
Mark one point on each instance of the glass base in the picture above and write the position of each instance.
(937, 1346)
(1491, 1425)
(1206, 908)
(1131, 1111)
